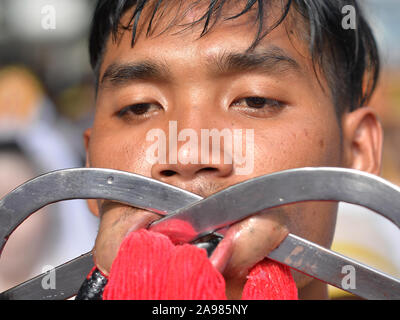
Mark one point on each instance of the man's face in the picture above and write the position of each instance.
(210, 83)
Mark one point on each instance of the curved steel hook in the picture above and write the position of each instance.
(222, 208)
(88, 183)
(290, 186)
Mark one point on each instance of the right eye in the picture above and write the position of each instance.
(139, 111)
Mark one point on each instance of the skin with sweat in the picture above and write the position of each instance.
(295, 127)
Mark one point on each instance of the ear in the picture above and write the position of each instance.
(92, 203)
(362, 140)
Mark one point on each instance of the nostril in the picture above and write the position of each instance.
(208, 169)
(168, 173)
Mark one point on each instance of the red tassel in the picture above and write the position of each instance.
(191, 276)
(270, 280)
(178, 231)
(139, 271)
(150, 267)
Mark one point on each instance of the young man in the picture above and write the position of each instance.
(290, 71)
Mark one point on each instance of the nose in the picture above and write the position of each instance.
(193, 160)
(171, 173)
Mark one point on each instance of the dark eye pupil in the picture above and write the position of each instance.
(256, 102)
(140, 109)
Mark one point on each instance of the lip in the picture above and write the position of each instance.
(139, 219)
(146, 219)
(117, 222)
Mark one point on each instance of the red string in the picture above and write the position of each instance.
(150, 267)
(270, 280)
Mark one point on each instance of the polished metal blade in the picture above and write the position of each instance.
(68, 279)
(286, 187)
(80, 183)
(335, 269)
(88, 183)
(306, 184)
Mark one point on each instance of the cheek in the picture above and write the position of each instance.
(309, 145)
(120, 150)
(295, 147)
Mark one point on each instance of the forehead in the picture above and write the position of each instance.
(176, 44)
(173, 36)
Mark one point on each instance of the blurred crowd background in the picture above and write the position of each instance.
(47, 100)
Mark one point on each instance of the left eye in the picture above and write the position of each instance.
(138, 110)
(258, 103)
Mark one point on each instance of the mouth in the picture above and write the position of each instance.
(116, 223)
(119, 220)
(143, 220)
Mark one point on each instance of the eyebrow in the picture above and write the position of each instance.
(120, 74)
(272, 60)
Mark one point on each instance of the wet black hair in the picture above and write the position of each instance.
(348, 57)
